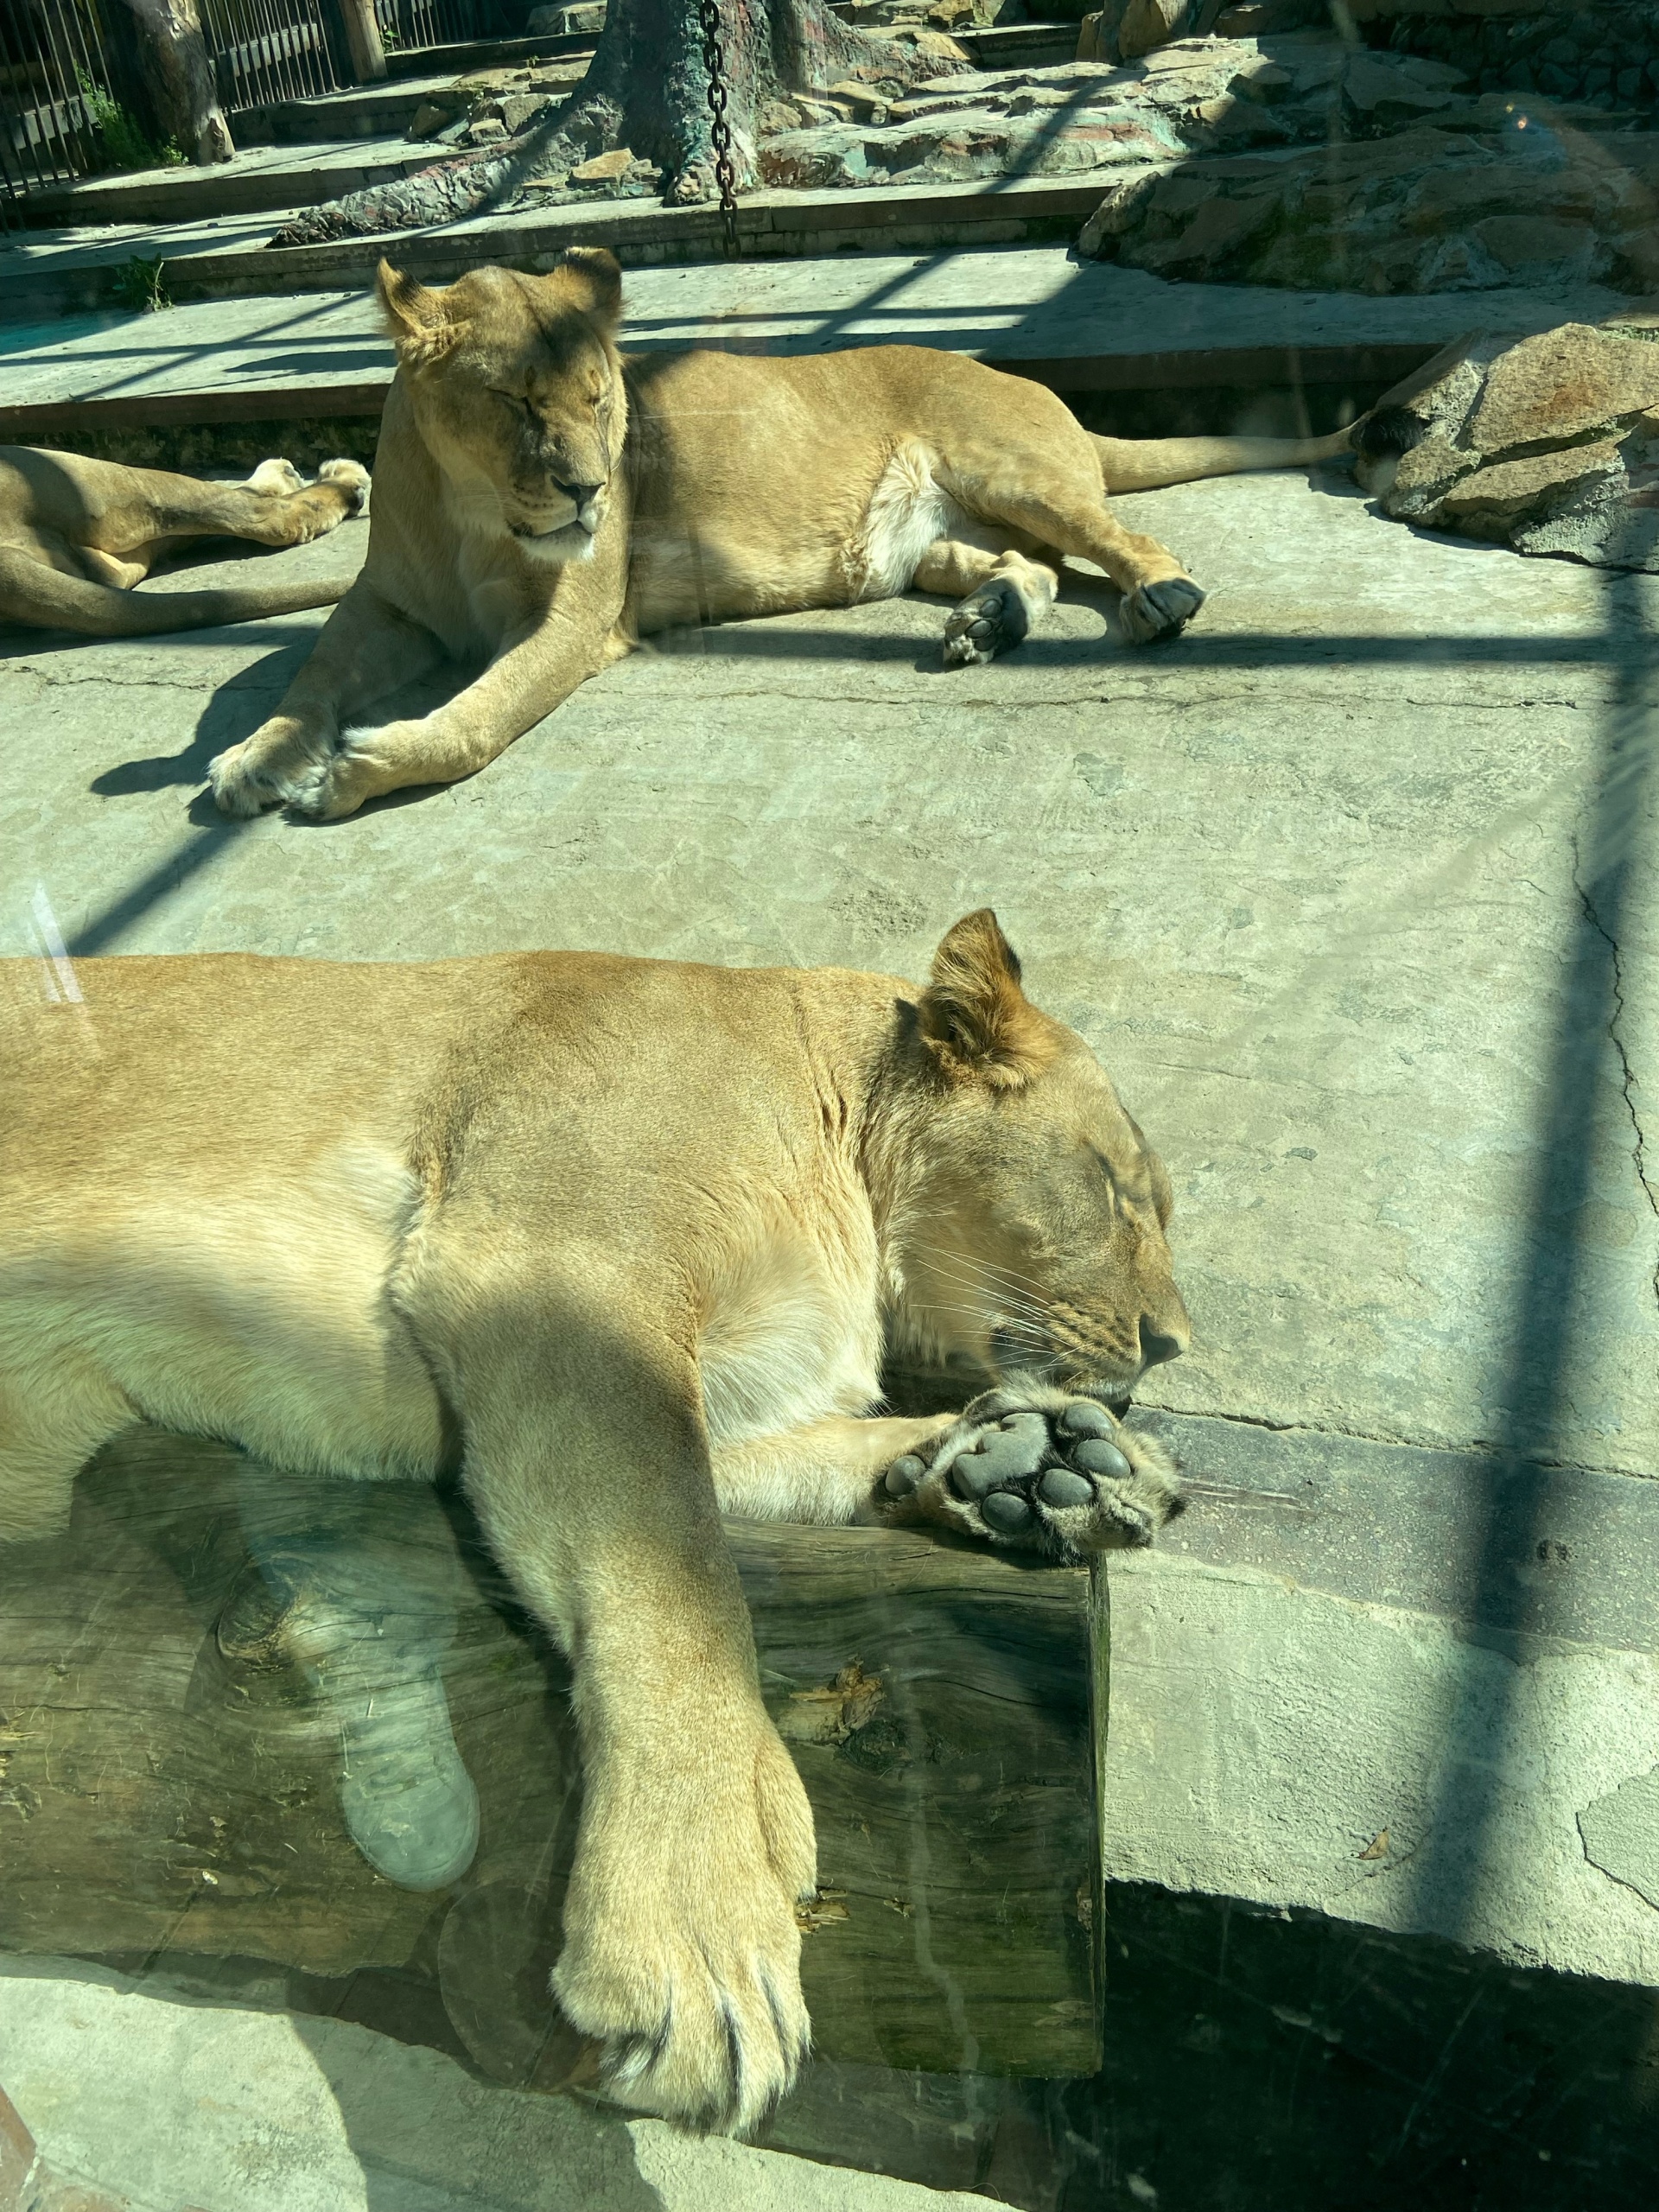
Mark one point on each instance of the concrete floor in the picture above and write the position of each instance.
(171, 2104)
(1339, 889)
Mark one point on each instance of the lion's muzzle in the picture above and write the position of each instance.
(584, 510)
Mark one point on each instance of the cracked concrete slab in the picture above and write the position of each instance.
(1415, 1689)
(1375, 1763)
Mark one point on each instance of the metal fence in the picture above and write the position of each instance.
(266, 50)
(71, 99)
(74, 101)
(406, 23)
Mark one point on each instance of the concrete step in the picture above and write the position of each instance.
(483, 54)
(194, 386)
(1021, 46)
(80, 271)
(261, 179)
(361, 111)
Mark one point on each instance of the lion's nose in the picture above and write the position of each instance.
(1155, 1346)
(580, 494)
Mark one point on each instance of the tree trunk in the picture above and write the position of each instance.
(180, 75)
(363, 37)
(646, 89)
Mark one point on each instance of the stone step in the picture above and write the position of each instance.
(191, 388)
(226, 258)
(261, 180)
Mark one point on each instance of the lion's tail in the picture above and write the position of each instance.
(33, 594)
(1143, 464)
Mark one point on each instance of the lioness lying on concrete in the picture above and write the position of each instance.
(540, 505)
(623, 1239)
(76, 535)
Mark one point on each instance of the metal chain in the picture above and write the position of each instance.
(719, 129)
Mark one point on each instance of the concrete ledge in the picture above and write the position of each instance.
(262, 182)
(1410, 1688)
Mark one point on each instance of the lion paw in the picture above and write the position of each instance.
(1030, 1468)
(682, 1949)
(1159, 610)
(364, 765)
(352, 479)
(279, 476)
(986, 623)
(240, 788)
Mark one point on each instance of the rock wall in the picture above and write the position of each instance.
(1605, 54)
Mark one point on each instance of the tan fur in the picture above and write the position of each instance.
(723, 486)
(627, 1239)
(76, 535)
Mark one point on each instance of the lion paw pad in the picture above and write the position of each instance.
(1039, 1470)
(995, 618)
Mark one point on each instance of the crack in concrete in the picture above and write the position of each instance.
(1628, 1079)
(1477, 1448)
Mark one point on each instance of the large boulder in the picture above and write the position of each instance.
(1466, 203)
(1549, 443)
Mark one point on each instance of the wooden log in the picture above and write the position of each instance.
(170, 1769)
(179, 71)
(363, 37)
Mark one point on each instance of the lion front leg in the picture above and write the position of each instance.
(681, 1953)
(532, 675)
(368, 648)
(825, 1474)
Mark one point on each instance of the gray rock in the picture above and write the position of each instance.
(1471, 204)
(1548, 444)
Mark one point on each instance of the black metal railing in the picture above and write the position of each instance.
(72, 98)
(74, 101)
(270, 50)
(406, 23)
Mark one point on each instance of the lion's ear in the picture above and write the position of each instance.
(417, 320)
(975, 1017)
(591, 281)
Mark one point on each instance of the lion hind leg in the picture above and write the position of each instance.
(277, 508)
(52, 1421)
(1063, 516)
(1002, 596)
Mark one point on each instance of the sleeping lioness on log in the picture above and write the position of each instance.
(540, 504)
(76, 535)
(623, 1240)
